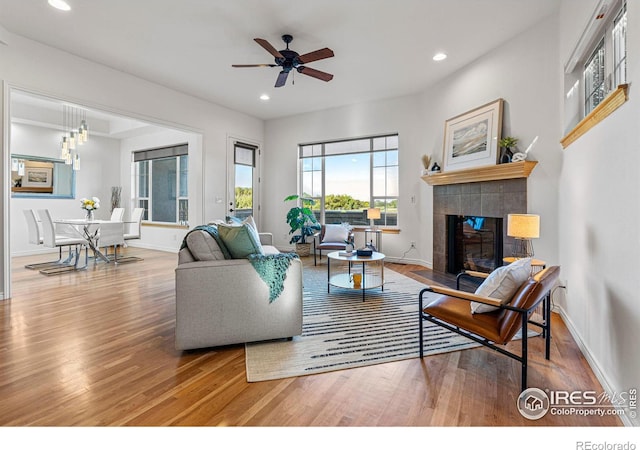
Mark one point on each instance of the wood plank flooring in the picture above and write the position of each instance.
(96, 348)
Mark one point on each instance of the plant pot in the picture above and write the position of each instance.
(303, 249)
(506, 155)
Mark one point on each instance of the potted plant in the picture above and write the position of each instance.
(301, 218)
(507, 143)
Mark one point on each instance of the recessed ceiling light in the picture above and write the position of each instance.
(264, 97)
(60, 4)
(439, 56)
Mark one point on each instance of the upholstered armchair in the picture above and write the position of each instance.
(331, 237)
(496, 312)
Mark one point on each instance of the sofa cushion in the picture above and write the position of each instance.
(233, 220)
(241, 241)
(203, 246)
(502, 284)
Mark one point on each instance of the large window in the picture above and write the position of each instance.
(161, 180)
(345, 178)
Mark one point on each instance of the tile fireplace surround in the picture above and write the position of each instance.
(486, 199)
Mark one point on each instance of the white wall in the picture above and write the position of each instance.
(39, 68)
(523, 72)
(599, 213)
(100, 169)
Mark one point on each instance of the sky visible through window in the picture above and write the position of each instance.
(348, 174)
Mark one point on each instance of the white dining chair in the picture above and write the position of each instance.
(135, 224)
(111, 234)
(35, 237)
(117, 214)
(53, 240)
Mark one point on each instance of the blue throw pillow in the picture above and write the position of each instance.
(241, 241)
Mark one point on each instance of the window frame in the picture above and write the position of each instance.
(605, 39)
(620, 61)
(591, 90)
(147, 157)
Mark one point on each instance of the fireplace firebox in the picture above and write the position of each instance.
(474, 243)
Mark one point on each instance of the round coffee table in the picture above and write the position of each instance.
(370, 279)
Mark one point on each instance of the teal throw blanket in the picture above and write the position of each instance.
(273, 270)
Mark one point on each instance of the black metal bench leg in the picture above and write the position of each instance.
(525, 335)
(420, 306)
(547, 326)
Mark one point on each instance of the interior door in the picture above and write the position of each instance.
(242, 196)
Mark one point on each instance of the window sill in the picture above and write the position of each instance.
(164, 225)
(613, 101)
(362, 229)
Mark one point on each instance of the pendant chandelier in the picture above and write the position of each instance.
(75, 133)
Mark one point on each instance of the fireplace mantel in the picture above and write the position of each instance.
(520, 169)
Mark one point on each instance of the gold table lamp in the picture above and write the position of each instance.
(523, 227)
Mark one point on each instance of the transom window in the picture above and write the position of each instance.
(594, 88)
(161, 180)
(606, 67)
(619, 36)
(345, 178)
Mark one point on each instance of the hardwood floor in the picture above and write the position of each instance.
(95, 348)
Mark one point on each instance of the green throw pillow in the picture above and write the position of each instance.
(241, 241)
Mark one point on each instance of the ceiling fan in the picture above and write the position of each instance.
(288, 60)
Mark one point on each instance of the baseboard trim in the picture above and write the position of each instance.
(153, 247)
(417, 262)
(593, 363)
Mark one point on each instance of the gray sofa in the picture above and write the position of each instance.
(224, 301)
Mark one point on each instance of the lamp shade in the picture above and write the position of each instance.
(373, 213)
(524, 226)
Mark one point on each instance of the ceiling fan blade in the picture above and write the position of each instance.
(324, 76)
(315, 56)
(282, 79)
(254, 65)
(268, 47)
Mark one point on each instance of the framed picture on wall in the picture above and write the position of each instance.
(38, 177)
(471, 139)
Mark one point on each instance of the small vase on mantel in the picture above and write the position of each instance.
(89, 215)
(506, 155)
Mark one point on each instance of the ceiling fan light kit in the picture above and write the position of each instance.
(289, 60)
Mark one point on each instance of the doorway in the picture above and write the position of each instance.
(34, 124)
(243, 175)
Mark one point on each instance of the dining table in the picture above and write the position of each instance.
(89, 230)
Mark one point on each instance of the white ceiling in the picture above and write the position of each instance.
(383, 48)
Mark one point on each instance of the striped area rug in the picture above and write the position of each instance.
(340, 331)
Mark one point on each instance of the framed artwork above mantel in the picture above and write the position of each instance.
(471, 139)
